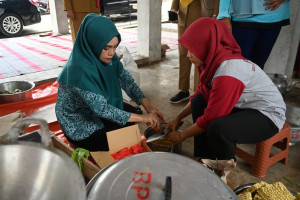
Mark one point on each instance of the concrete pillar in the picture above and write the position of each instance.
(283, 55)
(60, 24)
(149, 29)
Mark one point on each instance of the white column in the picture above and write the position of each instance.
(283, 55)
(149, 29)
(60, 24)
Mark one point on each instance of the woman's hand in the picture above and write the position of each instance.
(173, 125)
(48, 7)
(151, 121)
(157, 114)
(191, 131)
(274, 4)
(228, 22)
(174, 137)
(70, 14)
(152, 110)
(214, 16)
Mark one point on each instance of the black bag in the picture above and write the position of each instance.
(172, 16)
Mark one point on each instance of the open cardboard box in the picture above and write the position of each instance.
(118, 140)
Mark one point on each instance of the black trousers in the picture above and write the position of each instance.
(241, 126)
(97, 141)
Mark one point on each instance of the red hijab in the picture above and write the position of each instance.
(211, 41)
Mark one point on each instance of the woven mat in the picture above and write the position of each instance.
(28, 54)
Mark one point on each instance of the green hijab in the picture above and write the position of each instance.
(84, 70)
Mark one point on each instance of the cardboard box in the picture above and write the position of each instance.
(118, 140)
(89, 168)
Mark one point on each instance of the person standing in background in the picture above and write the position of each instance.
(77, 10)
(48, 7)
(255, 25)
(189, 11)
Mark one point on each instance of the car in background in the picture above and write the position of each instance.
(15, 14)
(42, 5)
(121, 7)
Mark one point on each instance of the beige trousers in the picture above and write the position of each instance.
(185, 66)
(75, 24)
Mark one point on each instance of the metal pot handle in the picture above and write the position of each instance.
(291, 87)
(13, 135)
(168, 188)
(294, 83)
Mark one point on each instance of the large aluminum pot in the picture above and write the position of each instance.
(157, 175)
(35, 171)
(292, 100)
(281, 82)
(25, 86)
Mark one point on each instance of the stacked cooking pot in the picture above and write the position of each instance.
(37, 171)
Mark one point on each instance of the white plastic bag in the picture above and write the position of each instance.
(129, 64)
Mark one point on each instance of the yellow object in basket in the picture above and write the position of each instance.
(256, 186)
(275, 191)
(245, 196)
(265, 191)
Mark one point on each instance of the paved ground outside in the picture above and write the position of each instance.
(38, 49)
(32, 53)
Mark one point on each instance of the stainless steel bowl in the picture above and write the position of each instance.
(25, 86)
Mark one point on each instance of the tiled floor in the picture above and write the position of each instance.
(33, 53)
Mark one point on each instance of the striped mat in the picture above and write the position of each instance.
(28, 54)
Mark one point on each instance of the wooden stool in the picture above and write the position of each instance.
(262, 160)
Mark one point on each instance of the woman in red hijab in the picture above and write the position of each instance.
(235, 103)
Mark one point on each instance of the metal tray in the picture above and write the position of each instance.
(241, 188)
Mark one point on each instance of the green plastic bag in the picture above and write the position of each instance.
(77, 156)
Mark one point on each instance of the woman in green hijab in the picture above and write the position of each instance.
(89, 100)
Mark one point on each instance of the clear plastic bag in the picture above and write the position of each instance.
(130, 65)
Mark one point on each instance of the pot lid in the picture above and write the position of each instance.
(159, 175)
